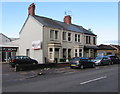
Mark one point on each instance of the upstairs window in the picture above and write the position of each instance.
(56, 35)
(64, 35)
(94, 41)
(88, 39)
(75, 37)
(78, 38)
(51, 34)
(69, 37)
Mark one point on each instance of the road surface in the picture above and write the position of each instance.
(99, 79)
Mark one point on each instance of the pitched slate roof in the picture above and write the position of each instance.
(61, 25)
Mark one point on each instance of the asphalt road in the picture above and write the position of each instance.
(99, 79)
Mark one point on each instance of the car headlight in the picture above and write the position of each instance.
(98, 61)
(77, 62)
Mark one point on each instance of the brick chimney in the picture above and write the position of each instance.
(31, 9)
(67, 19)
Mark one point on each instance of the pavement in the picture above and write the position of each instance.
(36, 72)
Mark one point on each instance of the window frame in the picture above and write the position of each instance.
(80, 52)
(69, 37)
(56, 34)
(76, 53)
(88, 39)
(64, 36)
(94, 40)
(53, 35)
(78, 38)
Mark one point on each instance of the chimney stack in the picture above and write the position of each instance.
(67, 19)
(31, 9)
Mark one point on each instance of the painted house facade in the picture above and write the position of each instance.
(45, 39)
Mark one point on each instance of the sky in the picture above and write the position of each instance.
(100, 17)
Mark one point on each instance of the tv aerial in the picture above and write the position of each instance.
(68, 12)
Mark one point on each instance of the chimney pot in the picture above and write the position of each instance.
(67, 19)
(31, 9)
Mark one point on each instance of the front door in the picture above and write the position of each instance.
(56, 52)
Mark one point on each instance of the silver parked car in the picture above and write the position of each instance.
(102, 60)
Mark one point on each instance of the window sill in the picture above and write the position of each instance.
(55, 40)
(70, 41)
(78, 42)
(64, 40)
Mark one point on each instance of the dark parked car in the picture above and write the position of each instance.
(18, 60)
(114, 59)
(102, 60)
(81, 62)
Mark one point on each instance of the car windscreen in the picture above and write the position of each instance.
(113, 57)
(75, 59)
(98, 58)
(22, 57)
(26, 57)
(18, 57)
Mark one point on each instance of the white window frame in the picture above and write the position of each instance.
(64, 36)
(51, 33)
(69, 37)
(88, 41)
(94, 40)
(75, 52)
(79, 38)
(76, 37)
(54, 35)
(80, 52)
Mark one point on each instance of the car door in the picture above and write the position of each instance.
(27, 60)
(19, 60)
(85, 62)
(105, 60)
(117, 59)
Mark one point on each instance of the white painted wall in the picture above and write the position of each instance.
(32, 31)
(3, 39)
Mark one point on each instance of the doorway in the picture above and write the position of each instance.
(56, 52)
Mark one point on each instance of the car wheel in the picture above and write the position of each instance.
(35, 62)
(101, 64)
(71, 67)
(16, 67)
(93, 65)
(82, 67)
(111, 63)
(12, 66)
